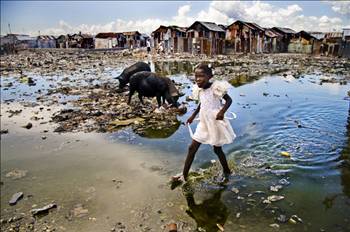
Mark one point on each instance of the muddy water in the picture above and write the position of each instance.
(122, 177)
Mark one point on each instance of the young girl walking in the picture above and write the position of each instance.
(213, 128)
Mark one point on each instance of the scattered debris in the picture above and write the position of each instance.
(28, 126)
(276, 188)
(221, 228)
(285, 154)
(16, 174)
(44, 209)
(284, 181)
(79, 211)
(172, 227)
(15, 197)
(235, 190)
(282, 218)
(275, 225)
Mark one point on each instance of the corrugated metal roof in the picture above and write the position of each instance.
(285, 30)
(210, 26)
(223, 26)
(334, 35)
(346, 32)
(271, 33)
(177, 28)
(256, 26)
(46, 37)
(317, 35)
(244, 23)
(161, 27)
(86, 36)
(305, 35)
(104, 35)
(25, 37)
(131, 33)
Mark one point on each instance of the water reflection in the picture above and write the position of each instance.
(345, 156)
(242, 80)
(209, 212)
(173, 67)
(328, 202)
(158, 133)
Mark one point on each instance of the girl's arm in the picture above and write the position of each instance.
(190, 119)
(228, 102)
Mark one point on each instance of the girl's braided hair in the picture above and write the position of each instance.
(207, 69)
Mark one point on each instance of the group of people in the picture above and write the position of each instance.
(160, 49)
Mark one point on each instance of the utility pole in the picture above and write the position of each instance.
(9, 28)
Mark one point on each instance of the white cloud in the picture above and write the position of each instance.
(182, 19)
(268, 15)
(341, 7)
(221, 12)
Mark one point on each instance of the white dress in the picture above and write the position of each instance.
(209, 130)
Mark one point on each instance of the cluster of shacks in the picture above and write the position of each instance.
(200, 38)
(246, 37)
(109, 40)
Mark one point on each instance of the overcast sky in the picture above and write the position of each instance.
(62, 17)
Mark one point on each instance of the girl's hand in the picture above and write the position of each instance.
(190, 120)
(220, 115)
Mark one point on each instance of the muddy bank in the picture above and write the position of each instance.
(60, 61)
(87, 184)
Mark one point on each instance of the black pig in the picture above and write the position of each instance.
(124, 77)
(149, 84)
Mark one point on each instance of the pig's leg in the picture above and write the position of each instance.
(131, 92)
(159, 100)
(141, 99)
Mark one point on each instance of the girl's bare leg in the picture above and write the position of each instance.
(193, 148)
(218, 151)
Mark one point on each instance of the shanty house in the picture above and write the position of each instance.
(158, 35)
(86, 41)
(133, 39)
(245, 37)
(173, 38)
(108, 40)
(304, 42)
(21, 41)
(206, 38)
(332, 44)
(287, 35)
(346, 43)
(272, 41)
(46, 41)
(62, 41)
